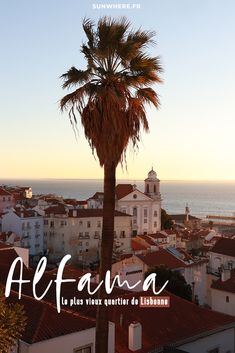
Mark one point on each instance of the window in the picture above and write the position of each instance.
(98, 224)
(86, 349)
(45, 222)
(88, 224)
(145, 212)
(80, 235)
(154, 189)
(155, 224)
(97, 234)
(122, 234)
(80, 223)
(145, 220)
(135, 211)
(155, 214)
(134, 196)
(80, 243)
(227, 299)
(147, 188)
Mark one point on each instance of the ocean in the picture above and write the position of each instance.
(203, 198)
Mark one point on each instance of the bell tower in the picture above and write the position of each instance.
(152, 185)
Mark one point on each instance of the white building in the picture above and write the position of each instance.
(28, 225)
(222, 255)
(223, 293)
(6, 199)
(144, 207)
(78, 232)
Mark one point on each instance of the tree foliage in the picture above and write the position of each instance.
(111, 93)
(166, 220)
(12, 324)
(176, 285)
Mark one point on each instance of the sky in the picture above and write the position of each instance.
(191, 136)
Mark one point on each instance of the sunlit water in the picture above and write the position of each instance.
(203, 197)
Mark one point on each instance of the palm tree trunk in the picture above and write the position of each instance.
(106, 254)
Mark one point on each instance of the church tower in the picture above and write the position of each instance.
(152, 185)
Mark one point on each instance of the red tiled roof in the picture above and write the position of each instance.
(162, 327)
(97, 196)
(43, 321)
(4, 192)
(26, 213)
(58, 209)
(147, 239)
(161, 257)
(94, 212)
(122, 190)
(158, 235)
(135, 245)
(224, 246)
(4, 246)
(227, 286)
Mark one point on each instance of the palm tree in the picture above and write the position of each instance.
(110, 97)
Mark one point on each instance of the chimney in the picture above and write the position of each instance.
(225, 275)
(135, 336)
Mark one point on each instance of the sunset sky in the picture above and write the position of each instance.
(192, 135)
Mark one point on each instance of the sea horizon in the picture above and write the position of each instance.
(204, 198)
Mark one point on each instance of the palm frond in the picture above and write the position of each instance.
(73, 77)
(148, 96)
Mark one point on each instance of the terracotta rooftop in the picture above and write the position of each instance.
(4, 246)
(161, 257)
(43, 321)
(147, 239)
(94, 212)
(136, 245)
(158, 235)
(224, 246)
(122, 190)
(57, 209)
(97, 196)
(26, 213)
(4, 192)
(162, 327)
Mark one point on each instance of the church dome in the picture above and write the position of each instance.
(152, 174)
